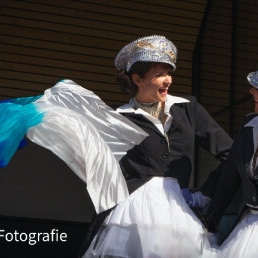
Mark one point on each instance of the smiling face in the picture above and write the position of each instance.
(154, 85)
(254, 92)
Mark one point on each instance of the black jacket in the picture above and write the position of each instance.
(191, 125)
(233, 175)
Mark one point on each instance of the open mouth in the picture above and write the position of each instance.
(163, 90)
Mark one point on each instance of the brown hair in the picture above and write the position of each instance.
(124, 79)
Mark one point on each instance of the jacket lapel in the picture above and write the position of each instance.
(177, 114)
(249, 145)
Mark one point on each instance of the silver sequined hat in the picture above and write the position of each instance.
(153, 48)
(253, 79)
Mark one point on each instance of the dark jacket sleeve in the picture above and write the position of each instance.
(213, 138)
(227, 187)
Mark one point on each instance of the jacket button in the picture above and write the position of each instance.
(163, 141)
(166, 170)
(165, 155)
(254, 198)
(255, 177)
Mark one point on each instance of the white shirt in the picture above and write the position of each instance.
(171, 100)
(253, 123)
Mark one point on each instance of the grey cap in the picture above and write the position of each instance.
(253, 79)
(153, 48)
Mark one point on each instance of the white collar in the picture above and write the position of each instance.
(171, 100)
(253, 122)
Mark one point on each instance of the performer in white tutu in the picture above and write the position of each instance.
(156, 220)
(240, 169)
(136, 161)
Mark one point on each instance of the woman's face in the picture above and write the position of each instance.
(254, 92)
(154, 85)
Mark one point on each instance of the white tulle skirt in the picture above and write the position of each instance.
(154, 221)
(242, 242)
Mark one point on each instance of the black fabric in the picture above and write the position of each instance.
(233, 176)
(191, 125)
(93, 228)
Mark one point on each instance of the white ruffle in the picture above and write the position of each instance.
(242, 242)
(154, 221)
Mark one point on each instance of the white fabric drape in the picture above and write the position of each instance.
(89, 136)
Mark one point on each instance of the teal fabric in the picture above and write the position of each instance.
(16, 116)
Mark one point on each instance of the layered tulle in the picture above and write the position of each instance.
(242, 242)
(154, 221)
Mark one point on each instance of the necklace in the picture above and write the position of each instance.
(153, 108)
